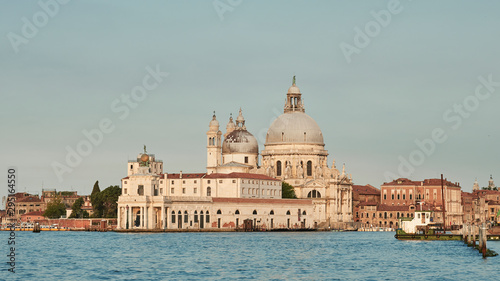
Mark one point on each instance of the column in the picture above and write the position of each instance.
(162, 216)
(119, 226)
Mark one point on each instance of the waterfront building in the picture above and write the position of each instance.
(426, 194)
(365, 199)
(235, 187)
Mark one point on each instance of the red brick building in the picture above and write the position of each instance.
(405, 192)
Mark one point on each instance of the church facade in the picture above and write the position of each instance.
(235, 191)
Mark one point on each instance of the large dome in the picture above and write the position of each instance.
(294, 127)
(240, 141)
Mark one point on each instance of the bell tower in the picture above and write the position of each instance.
(214, 150)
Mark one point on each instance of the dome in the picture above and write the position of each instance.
(294, 127)
(144, 158)
(293, 90)
(240, 141)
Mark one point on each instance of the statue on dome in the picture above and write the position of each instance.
(293, 83)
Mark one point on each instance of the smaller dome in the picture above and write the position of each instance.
(240, 141)
(294, 90)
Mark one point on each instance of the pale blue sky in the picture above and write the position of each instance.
(371, 110)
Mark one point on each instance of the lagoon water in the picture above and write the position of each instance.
(249, 256)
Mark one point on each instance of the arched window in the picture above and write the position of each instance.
(397, 215)
(288, 212)
(209, 191)
(314, 194)
(304, 213)
(237, 212)
(219, 212)
(390, 215)
(254, 212)
(207, 217)
(195, 216)
(272, 212)
(278, 168)
(309, 168)
(385, 215)
(173, 216)
(186, 217)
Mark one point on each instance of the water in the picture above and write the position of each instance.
(250, 256)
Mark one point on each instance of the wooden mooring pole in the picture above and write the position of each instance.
(483, 238)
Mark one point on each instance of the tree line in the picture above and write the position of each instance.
(104, 204)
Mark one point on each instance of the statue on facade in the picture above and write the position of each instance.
(300, 171)
(288, 170)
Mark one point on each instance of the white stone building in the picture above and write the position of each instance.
(235, 188)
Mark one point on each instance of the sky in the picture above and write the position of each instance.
(399, 88)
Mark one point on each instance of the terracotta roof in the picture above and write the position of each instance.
(241, 176)
(438, 182)
(368, 203)
(365, 190)
(185, 175)
(425, 182)
(402, 181)
(29, 199)
(35, 213)
(384, 207)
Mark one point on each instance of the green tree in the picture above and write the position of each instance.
(287, 191)
(96, 200)
(55, 208)
(76, 209)
(109, 198)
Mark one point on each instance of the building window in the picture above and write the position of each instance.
(278, 168)
(304, 213)
(246, 159)
(173, 216)
(195, 217)
(309, 168)
(184, 182)
(392, 196)
(272, 212)
(183, 190)
(140, 190)
(237, 212)
(288, 212)
(186, 217)
(219, 212)
(234, 181)
(254, 212)
(209, 191)
(172, 190)
(208, 181)
(207, 217)
(124, 191)
(411, 197)
(155, 190)
(131, 167)
(195, 181)
(172, 182)
(314, 194)
(195, 190)
(125, 182)
(385, 196)
(220, 181)
(404, 196)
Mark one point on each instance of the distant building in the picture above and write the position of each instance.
(427, 195)
(32, 217)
